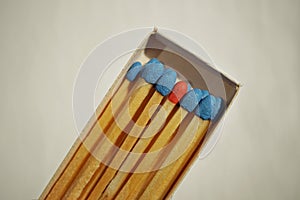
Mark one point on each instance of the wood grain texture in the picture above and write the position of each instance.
(124, 185)
(100, 177)
(103, 148)
(164, 178)
(79, 152)
(155, 125)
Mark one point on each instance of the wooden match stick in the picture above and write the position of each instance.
(124, 184)
(103, 151)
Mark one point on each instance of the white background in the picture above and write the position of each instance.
(42, 44)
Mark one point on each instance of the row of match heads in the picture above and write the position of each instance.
(201, 102)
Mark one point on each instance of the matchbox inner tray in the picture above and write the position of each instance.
(190, 67)
(76, 175)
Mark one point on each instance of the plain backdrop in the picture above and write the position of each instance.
(43, 43)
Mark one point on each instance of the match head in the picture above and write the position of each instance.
(133, 71)
(152, 72)
(192, 98)
(217, 108)
(166, 82)
(209, 107)
(178, 91)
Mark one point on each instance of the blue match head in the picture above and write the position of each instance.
(153, 60)
(217, 107)
(192, 98)
(152, 72)
(209, 107)
(133, 71)
(166, 82)
(204, 109)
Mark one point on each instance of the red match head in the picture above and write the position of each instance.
(178, 91)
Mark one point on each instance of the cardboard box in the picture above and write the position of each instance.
(199, 73)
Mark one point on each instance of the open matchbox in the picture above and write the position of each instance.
(199, 73)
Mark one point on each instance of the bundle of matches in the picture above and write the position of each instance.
(154, 138)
